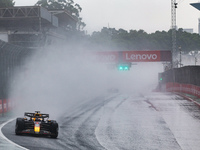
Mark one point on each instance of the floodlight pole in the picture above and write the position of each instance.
(173, 28)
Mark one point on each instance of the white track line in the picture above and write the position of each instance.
(2, 135)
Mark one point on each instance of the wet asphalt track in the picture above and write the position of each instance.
(153, 121)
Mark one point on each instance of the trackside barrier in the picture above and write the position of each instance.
(1, 107)
(6, 105)
(183, 88)
(12, 58)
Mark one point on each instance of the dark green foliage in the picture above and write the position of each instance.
(6, 3)
(188, 41)
(61, 4)
(69, 5)
(140, 40)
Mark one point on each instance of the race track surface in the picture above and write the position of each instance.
(122, 122)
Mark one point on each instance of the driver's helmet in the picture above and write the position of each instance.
(37, 116)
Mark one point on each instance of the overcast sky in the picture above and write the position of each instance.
(151, 15)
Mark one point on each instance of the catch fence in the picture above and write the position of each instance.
(183, 80)
(184, 75)
(11, 58)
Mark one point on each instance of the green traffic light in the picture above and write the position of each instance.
(160, 79)
(120, 68)
(125, 68)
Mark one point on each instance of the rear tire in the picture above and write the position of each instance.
(54, 129)
(19, 126)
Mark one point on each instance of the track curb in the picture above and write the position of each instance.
(188, 98)
(5, 138)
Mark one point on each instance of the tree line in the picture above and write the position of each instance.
(141, 40)
(112, 39)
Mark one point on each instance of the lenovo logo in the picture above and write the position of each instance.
(141, 56)
(106, 58)
(131, 56)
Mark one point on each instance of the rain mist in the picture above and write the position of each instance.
(57, 79)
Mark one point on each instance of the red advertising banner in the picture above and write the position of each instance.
(185, 88)
(4, 106)
(130, 56)
(106, 56)
(1, 106)
(141, 56)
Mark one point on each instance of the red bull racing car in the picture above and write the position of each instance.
(36, 124)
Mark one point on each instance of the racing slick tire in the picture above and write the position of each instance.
(54, 129)
(19, 126)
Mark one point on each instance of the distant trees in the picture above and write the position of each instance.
(112, 39)
(69, 5)
(6, 3)
(121, 39)
(188, 41)
(61, 4)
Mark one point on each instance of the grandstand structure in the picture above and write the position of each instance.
(35, 26)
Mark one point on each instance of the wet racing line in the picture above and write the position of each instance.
(32, 142)
(153, 121)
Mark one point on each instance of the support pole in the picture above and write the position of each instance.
(173, 28)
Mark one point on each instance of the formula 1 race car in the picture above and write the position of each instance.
(36, 124)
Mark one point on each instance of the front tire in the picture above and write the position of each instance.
(19, 126)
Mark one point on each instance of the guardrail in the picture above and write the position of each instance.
(6, 105)
(183, 80)
(11, 58)
(183, 88)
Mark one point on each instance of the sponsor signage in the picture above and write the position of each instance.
(132, 56)
(4, 106)
(106, 56)
(183, 88)
(141, 56)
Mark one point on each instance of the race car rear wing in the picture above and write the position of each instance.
(36, 115)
